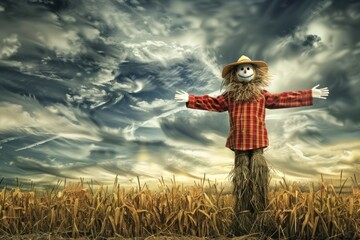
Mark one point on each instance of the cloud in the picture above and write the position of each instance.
(183, 130)
(156, 51)
(9, 46)
(319, 51)
(156, 109)
(27, 115)
(35, 166)
(307, 143)
(13, 117)
(56, 5)
(89, 87)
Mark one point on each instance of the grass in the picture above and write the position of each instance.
(202, 210)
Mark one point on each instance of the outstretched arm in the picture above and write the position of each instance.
(294, 98)
(288, 99)
(215, 104)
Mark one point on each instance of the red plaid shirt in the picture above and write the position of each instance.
(247, 120)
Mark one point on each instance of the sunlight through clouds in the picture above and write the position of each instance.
(87, 90)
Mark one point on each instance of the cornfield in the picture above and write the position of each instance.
(201, 210)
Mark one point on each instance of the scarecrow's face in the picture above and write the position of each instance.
(245, 72)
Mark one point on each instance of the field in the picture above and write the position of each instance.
(79, 210)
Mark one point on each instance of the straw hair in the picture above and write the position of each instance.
(246, 92)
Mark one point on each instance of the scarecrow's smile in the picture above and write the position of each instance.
(245, 72)
(246, 76)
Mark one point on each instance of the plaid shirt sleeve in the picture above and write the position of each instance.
(214, 104)
(288, 99)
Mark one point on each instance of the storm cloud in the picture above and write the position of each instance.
(87, 87)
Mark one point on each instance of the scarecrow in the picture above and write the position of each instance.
(245, 100)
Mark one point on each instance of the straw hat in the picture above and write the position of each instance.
(243, 59)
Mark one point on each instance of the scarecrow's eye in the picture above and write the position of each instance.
(242, 69)
(248, 68)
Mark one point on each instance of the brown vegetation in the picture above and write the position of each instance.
(176, 210)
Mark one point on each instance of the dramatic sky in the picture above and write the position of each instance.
(87, 87)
